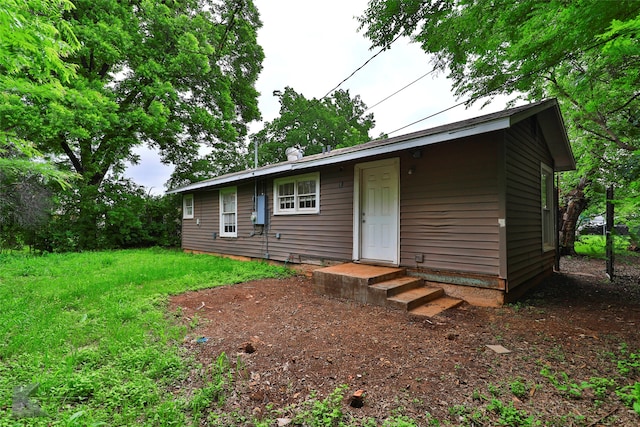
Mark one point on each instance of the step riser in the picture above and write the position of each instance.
(405, 287)
(414, 303)
(379, 293)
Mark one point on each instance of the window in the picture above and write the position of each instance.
(228, 212)
(187, 206)
(547, 204)
(297, 194)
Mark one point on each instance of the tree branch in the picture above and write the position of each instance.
(633, 98)
(599, 135)
(77, 164)
(229, 26)
(597, 118)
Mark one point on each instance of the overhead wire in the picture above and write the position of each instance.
(471, 99)
(394, 93)
(386, 47)
(508, 82)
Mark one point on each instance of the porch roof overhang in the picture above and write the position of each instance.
(550, 121)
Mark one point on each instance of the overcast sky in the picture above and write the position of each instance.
(312, 46)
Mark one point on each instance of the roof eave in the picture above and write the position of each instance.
(553, 131)
(348, 155)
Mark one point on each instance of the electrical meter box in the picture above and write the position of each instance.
(262, 209)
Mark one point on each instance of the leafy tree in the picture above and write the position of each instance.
(337, 121)
(586, 53)
(127, 217)
(171, 75)
(24, 207)
(34, 41)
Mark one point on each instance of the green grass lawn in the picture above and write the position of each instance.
(92, 330)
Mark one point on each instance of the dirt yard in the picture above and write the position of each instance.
(292, 342)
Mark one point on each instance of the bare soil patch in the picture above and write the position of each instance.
(291, 341)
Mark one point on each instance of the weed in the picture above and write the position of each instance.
(517, 306)
(494, 390)
(466, 416)
(194, 322)
(519, 388)
(557, 354)
(214, 391)
(399, 421)
(630, 396)
(599, 386)
(562, 384)
(322, 413)
(457, 410)
(476, 395)
(509, 415)
(629, 363)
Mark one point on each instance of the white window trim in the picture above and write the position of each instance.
(224, 191)
(188, 210)
(296, 209)
(547, 246)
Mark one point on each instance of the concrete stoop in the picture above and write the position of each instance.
(383, 286)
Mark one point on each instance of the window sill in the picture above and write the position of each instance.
(296, 213)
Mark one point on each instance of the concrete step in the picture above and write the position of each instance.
(408, 300)
(352, 281)
(379, 292)
(383, 286)
(436, 306)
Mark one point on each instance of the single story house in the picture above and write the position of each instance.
(470, 205)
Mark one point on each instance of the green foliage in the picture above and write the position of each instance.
(562, 383)
(399, 421)
(585, 53)
(124, 216)
(630, 396)
(519, 388)
(509, 415)
(599, 386)
(595, 246)
(337, 121)
(322, 413)
(92, 330)
(171, 76)
(215, 388)
(628, 362)
(35, 41)
(467, 416)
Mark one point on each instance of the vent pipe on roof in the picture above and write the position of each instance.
(293, 153)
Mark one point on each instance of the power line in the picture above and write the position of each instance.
(428, 117)
(508, 82)
(362, 66)
(394, 93)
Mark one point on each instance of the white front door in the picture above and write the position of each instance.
(378, 208)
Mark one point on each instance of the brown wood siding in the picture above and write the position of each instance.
(306, 237)
(525, 150)
(207, 209)
(449, 206)
(327, 235)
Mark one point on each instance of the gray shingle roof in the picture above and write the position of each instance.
(550, 121)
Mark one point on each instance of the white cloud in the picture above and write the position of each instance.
(312, 46)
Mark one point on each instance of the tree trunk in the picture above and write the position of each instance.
(569, 214)
(87, 221)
